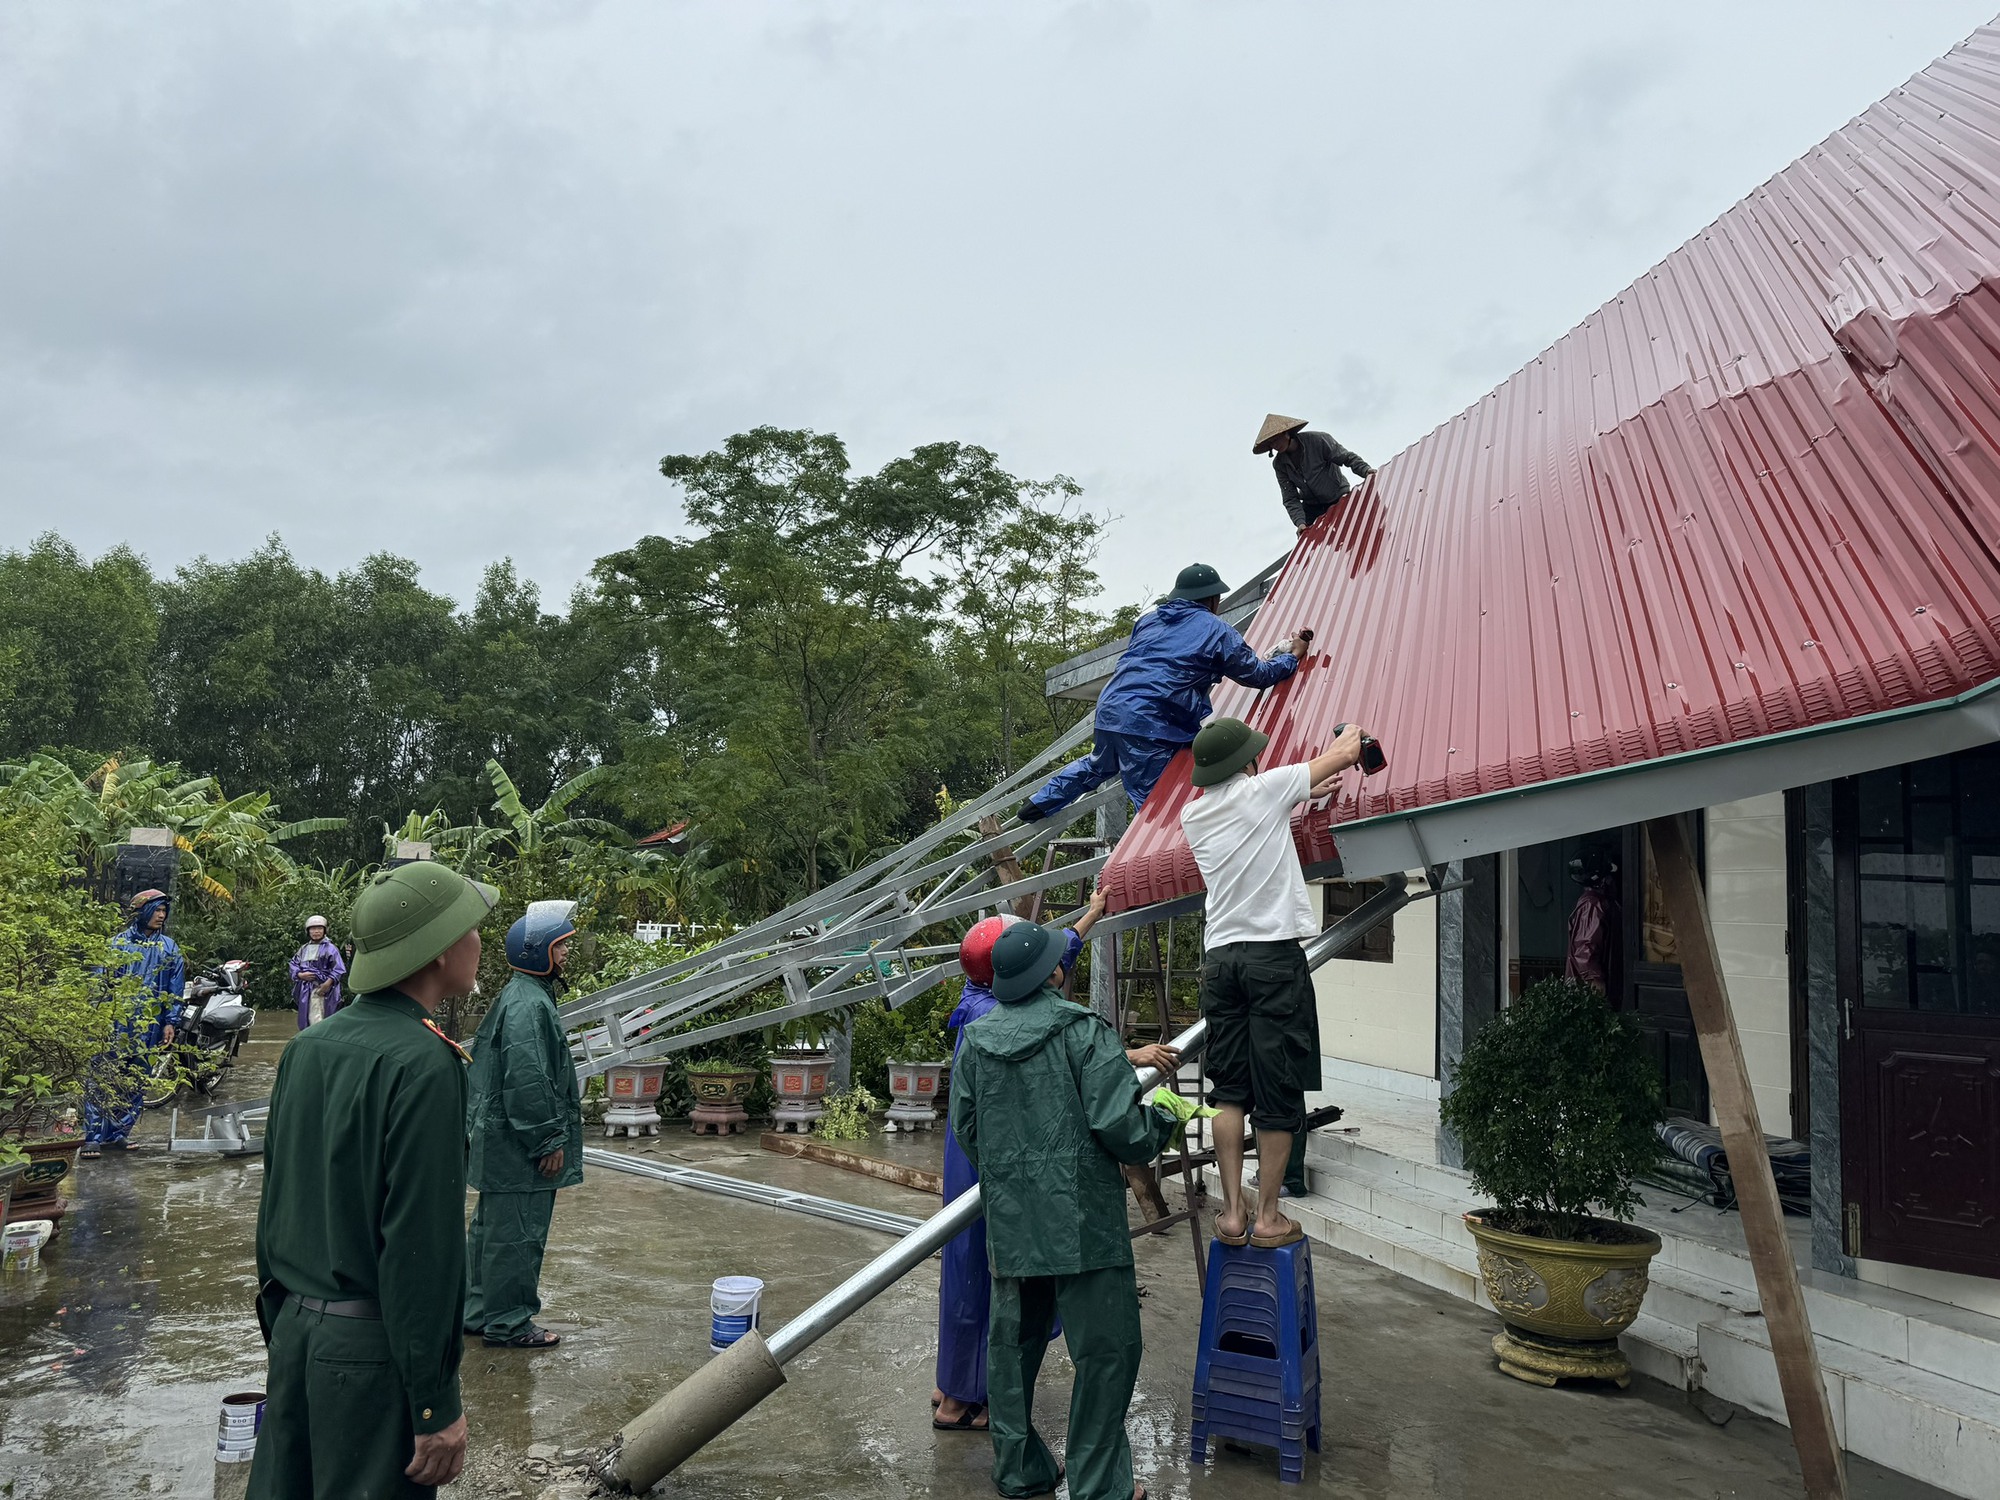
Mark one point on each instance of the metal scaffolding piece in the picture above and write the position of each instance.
(753, 1192)
(225, 1129)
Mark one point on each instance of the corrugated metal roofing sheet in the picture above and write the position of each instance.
(1757, 490)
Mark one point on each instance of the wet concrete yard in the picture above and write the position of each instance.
(114, 1354)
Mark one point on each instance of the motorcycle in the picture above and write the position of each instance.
(216, 1016)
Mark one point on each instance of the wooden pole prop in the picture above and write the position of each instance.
(1749, 1165)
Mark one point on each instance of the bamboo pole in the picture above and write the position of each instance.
(1763, 1216)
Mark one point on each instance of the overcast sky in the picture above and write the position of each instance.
(448, 278)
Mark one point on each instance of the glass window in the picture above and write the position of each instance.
(1928, 856)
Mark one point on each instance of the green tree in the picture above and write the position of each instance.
(76, 643)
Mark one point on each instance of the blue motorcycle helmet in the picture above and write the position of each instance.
(544, 924)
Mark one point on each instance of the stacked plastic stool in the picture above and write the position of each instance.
(1256, 1379)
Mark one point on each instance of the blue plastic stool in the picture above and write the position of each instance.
(1256, 1378)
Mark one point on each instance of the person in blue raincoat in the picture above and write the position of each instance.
(1157, 697)
(112, 1097)
(965, 1285)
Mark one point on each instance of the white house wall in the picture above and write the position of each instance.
(1377, 1021)
(1747, 909)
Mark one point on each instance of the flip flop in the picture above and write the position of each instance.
(529, 1338)
(1290, 1235)
(1238, 1240)
(90, 1153)
(964, 1423)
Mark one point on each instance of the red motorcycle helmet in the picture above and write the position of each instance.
(975, 953)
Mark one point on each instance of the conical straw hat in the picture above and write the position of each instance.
(1275, 426)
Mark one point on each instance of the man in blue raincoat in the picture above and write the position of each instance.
(1045, 1103)
(111, 1099)
(525, 1118)
(1157, 698)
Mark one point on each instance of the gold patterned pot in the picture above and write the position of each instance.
(1564, 1301)
(718, 1100)
(38, 1192)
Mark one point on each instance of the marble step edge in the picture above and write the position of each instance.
(1955, 1342)
(1920, 1423)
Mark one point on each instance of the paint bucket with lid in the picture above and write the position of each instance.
(732, 1310)
(236, 1432)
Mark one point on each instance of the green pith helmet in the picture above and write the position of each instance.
(408, 916)
(1024, 957)
(1198, 581)
(1224, 747)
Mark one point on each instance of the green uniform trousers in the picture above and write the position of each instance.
(503, 1262)
(1100, 1322)
(336, 1419)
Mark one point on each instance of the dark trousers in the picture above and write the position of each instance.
(503, 1261)
(336, 1419)
(1263, 1031)
(1100, 1322)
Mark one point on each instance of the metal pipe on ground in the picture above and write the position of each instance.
(690, 1416)
(698, 1410)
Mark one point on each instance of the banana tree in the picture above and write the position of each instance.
(525, 831)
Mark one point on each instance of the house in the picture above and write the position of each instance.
(1728, 548)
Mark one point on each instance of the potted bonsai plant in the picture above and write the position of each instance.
(801, 1068)
(720, 1085)
(1555, 1104)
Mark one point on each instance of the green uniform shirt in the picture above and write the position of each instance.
(1046, 1105)
(364, 1185)
(524, 1098)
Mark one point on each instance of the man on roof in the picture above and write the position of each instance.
(1158, 696)
(1308, 466)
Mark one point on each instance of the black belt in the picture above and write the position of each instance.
(353, 1307)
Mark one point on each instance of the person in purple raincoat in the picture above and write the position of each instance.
(316, 971)
(965, 1281)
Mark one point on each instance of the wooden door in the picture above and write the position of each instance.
(1917, 891)
(1653, 989)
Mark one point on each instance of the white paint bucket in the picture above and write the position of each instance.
(21, 1244)
(732, 1310)
(236, 1432)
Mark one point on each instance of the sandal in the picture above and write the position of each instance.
(92, 1152)
(968, 1421)
(1291, 1234)
(1239, 1239)
(530, 1337)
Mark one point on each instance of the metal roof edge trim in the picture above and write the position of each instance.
(1631, 793)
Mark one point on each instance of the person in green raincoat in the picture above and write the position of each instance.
(1046, 1105)
(526, 1126)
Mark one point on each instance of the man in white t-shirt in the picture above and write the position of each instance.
(1256, 991)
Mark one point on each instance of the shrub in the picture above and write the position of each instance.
(847, 1116)
(57, 1004)
(1555, 1104)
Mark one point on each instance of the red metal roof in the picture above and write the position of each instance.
(1757, 490)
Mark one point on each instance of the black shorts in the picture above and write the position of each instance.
(1263, 1031)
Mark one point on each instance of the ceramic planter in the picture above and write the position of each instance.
(914, 1092)
(718, 1100)
(800, 1080)
(38, 1190)
(1564, 1301)
(631, 1098)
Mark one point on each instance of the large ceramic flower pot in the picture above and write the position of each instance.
(718, 1100)
(799, 1080)
(913, 1088)
(38, 1190)
(1564, 1301)
(631, 1098)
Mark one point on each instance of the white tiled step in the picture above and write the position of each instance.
(1940, 1430)
(1667, 1352)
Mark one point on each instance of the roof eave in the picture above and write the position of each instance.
(1610, 798)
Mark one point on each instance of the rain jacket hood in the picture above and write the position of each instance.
(1045, 1104)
